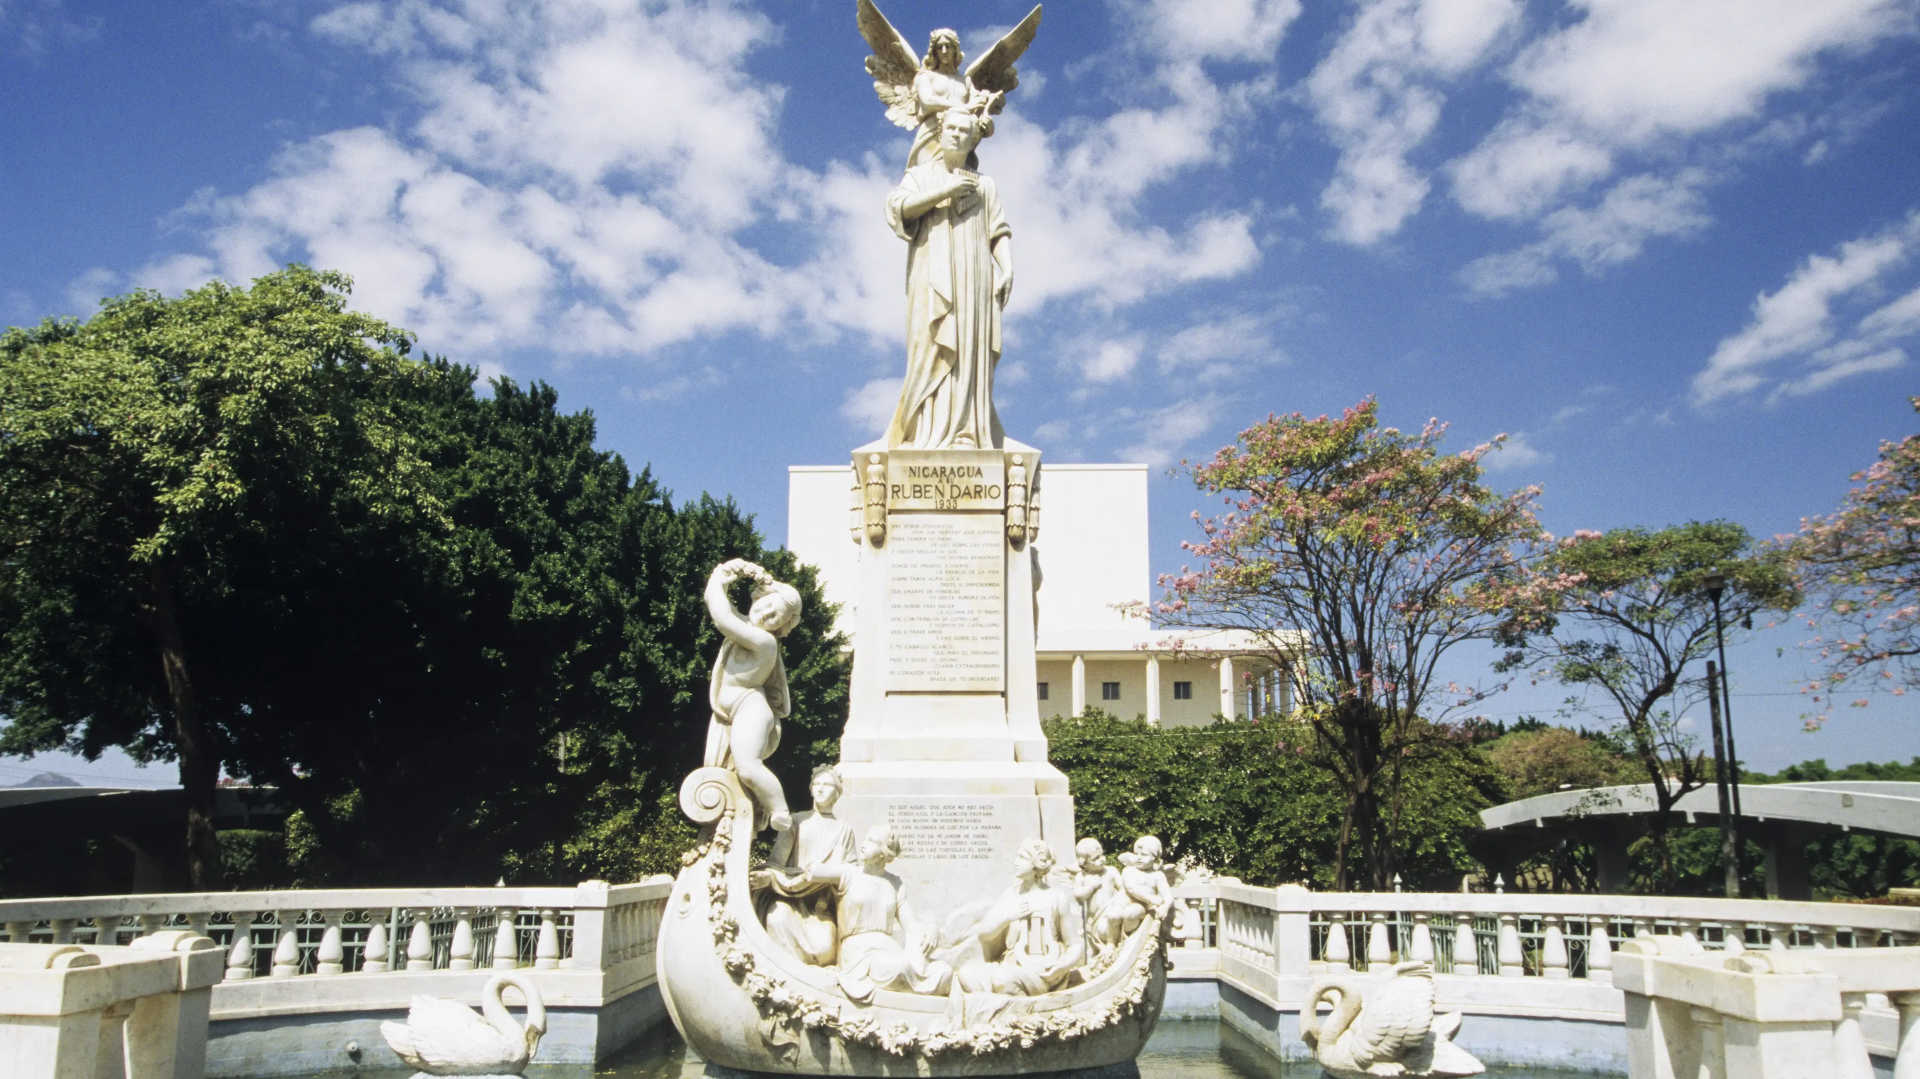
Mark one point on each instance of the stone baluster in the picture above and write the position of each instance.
(1466, 946)
(1779, 936)
(197, 922)
(1553, 949)
(240, 955)
(1422, 948)
(1733, 937)
(461, 950)
(546, 955)
(373, 954)
(18, 932)
(1512, 960)
(331, 957)
(149, 925)
(1826, 936)
(1643, 929)
(1687, 929)
(63, 929)
(1906, 1064)
(1338, 953)
(1850, 1059)
(1599, 951)
(286, 952)
(420, 941)
(1379, 948)
(506, 941)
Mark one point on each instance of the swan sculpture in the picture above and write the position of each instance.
(1389, 1031)
(445, 1037)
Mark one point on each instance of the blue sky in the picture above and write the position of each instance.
(1668, 246)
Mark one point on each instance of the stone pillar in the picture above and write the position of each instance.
(1153, 690)
(1229, 687)
(1079, 685)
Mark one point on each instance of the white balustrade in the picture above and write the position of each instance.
(1769, 1014)
(79, 1011)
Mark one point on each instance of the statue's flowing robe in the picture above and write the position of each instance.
(953, 321)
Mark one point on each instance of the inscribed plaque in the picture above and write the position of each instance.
(950, 480)
(946, 603)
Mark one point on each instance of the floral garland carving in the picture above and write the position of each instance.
(786, 1010)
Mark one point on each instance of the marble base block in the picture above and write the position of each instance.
(959, 823)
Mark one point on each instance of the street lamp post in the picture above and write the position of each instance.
(1722, 710)
(1716, 584)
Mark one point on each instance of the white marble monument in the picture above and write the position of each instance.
(954, 939)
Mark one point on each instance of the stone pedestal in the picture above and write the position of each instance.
(943, 737)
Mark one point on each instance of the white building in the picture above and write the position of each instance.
(1093, 557)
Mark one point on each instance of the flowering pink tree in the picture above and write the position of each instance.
(1861, 566)
(1627, 613)
(1357, 555)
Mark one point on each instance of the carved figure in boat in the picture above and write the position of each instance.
(742, 1000)
(1097, 887)
(1389, 1030)
(748, 691)
(798, 909)
(873, 917)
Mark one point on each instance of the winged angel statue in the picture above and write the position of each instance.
(918, 90)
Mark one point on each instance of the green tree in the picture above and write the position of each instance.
(149, 458)
(458, 638)
(1626, 613)
(1554, 759)
(1361, 556)
(1249, 799)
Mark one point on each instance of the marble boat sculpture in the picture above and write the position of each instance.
(743, 1001)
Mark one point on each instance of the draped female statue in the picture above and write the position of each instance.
(959, 275)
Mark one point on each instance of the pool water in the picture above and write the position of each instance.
(1185, 1049)
(1179, 1049)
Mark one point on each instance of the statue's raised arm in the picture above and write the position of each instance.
(917, 90)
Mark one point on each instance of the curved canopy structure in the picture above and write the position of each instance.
(1781, 817)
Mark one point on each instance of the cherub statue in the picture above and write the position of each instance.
(1102, 897)
(917, 90)
(798, 911)
(1147, 892)
(748, 691)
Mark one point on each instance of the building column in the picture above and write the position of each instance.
(1286, 690)
(1153, 690)
(1079, 685)
(1229, 695)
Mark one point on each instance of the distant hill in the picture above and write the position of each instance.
(48, 779)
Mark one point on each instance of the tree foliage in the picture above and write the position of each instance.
(1361, 556)
(1627, 613)
(1250, 799)
(1861, 567)
(458, 639)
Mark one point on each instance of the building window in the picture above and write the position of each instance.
(1183, 691)
(1041, 691)
(1109, 691)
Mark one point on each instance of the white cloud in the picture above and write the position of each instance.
(1219, 346)
(1797, 322)
(1161, 433)
(1654, 78)
(1376, 95)
(85, 292)
(1616, 229)
(869, 408)
(1111, 361)
(1211, 29)
(602, 177)
(1516, 452)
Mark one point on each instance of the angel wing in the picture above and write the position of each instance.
(892, 65)
(994, 70)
